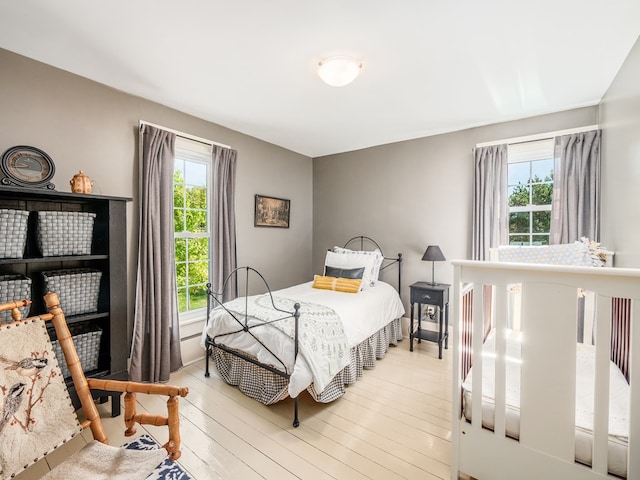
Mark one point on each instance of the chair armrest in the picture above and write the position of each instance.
(135, 387)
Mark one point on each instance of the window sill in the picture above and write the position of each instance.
(192, 320)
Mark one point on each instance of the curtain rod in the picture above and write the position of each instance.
(185, 135)
(539, 136)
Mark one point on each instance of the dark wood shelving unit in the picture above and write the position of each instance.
(68, 258)
(108, 254)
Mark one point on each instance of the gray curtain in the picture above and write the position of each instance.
(490, 207)
(576, 188)
(155, 351)
(223, 229)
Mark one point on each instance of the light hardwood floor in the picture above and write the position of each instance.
(394, 423)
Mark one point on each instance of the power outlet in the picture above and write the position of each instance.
(429, 313)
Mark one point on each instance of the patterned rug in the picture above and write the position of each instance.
(167, 470)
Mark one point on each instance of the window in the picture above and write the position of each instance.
(191, 193)
(530, 191)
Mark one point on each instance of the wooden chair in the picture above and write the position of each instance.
(30, 377)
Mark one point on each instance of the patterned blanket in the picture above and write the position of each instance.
(321, 337)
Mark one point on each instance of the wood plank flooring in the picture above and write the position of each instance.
(394, 423)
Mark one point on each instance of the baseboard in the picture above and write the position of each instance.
(195, 360)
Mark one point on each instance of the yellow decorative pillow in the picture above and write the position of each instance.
(347, 285)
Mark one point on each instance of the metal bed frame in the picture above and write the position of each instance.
(215, 299)
(364, 240)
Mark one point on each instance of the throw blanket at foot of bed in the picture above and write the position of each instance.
(321, 338)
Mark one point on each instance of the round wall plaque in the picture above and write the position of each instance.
(27, 167)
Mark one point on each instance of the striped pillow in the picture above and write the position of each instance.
(347, 285)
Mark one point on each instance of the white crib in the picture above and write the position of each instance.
(541, 437)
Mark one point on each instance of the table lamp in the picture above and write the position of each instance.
(433, 254)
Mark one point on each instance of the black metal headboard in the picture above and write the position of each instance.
(363, 240)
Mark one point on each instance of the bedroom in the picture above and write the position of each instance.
(85, 125)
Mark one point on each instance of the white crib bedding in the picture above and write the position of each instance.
(585, 364)
(362, 314)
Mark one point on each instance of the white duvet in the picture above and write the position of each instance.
(362, 315)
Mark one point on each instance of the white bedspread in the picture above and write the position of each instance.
(362, 315)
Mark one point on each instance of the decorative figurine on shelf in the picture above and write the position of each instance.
(81, 183)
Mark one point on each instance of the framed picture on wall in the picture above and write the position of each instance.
(272, 212)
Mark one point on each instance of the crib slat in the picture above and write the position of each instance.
(548, 369)
(476, 345)
(466, 325)
(633, 470)
(500, 361)
(602, 385)
(457, 316)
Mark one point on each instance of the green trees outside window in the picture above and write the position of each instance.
(190, 218)
(530, 190)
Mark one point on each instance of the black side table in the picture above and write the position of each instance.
(429, 294)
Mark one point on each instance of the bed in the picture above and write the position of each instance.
(317, 336)
(533, 395)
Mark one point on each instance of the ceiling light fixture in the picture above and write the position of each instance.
(339, 71)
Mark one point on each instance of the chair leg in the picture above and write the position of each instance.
(173, 422)
(130, 413)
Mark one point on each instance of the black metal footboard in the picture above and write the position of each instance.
(214, 299)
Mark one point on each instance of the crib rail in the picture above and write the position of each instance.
(545, 447)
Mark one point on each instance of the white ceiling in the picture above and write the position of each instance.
(429, 66)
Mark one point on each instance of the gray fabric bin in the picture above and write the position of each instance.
(65, 233)
(13, 288)
(78, 289)
(13, 228)
(86, 338)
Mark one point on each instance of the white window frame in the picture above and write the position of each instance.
(528, 152)
(196, 151)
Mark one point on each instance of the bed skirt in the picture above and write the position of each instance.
(268, 388)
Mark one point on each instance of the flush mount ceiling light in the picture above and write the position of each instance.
(339, 71)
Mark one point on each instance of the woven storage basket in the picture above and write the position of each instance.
(13, 228)
(13, 288)
(78, 289)
(65, 233)
(86, 338)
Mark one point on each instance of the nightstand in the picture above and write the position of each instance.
(428, 294)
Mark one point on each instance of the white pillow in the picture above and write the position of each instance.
(355, 260)
(376, 254)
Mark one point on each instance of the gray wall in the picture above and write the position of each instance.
(412, 194)
(85, 125)
(620, 121)
(405, 195)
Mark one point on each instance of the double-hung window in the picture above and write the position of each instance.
(530, 191)
(191, 200)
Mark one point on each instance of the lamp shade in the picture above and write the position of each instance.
(339, 71)
(433, 254)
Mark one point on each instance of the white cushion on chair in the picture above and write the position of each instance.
(97, 461)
